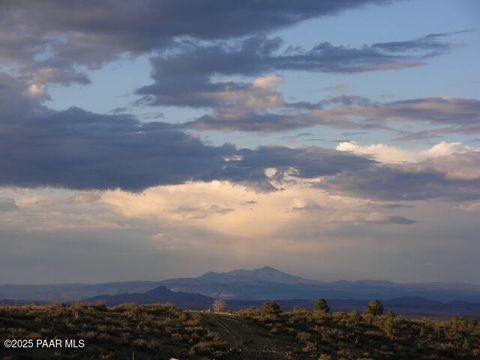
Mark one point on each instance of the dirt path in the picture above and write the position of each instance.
(236, 338)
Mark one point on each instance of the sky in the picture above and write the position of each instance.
(144, 140)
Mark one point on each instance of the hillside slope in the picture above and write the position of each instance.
(150, 331)
(159, 295)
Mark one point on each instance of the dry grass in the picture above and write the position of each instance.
(164, 331)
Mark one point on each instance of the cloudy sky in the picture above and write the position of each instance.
(152, 139)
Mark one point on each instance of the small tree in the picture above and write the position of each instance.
(355, 317)
(374, 308)
(271, 309)
(321, 306)
(389, 325)
(219, 306)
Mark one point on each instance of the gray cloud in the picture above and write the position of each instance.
(453, 177)
(7, 205)
(449, 115)
(376, 219)
(15, 100)
(400, 220)
(50, 42)
(431, 42)
(306, 162)
(435, 110)
(273, 122)
(77, 149)
(81, 150)
(55, 34)
(396, 206)
(184, 76)
(251, 122)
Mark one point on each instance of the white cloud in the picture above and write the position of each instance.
(267, 82)
(37, 91)
(217, 206)
(229, 209)
(390, 154)
(259, 95)
(48, 210)
(470, 207)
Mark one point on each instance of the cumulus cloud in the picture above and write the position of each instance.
(193, 223)
(453, 177)
(238, 211)
(458, 166)
(391, 154)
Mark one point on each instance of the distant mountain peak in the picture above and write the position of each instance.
(263, 274)
(266, 269)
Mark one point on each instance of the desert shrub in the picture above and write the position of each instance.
(206, 348)
(321, 307)
(374, 308)
(270, 309)
(355, 317)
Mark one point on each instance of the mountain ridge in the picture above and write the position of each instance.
(159, 294)
(256, 284)
(265, 274)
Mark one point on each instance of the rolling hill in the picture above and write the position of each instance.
(162, 332)
(159, 295)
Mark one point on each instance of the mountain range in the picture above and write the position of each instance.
(270, 283)
(250, 285)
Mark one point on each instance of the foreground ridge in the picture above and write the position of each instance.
(165, 331)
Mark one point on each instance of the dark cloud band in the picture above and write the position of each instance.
(81, 150)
